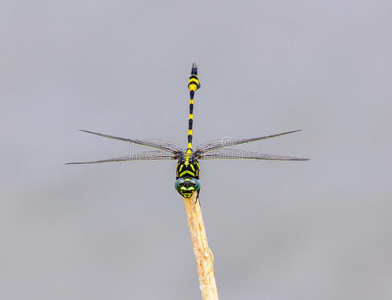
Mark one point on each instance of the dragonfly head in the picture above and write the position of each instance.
(186, 186)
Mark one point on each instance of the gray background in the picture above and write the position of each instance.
(278, 230)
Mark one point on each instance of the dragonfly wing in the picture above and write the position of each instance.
(223, 143)
(146, 155)
(242, 154)
(158, 144)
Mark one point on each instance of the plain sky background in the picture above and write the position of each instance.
(279, 230)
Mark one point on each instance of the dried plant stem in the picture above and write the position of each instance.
(203, 254)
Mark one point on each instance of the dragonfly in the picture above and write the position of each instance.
(188, 167)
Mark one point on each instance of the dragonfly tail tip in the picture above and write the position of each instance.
(194, 69)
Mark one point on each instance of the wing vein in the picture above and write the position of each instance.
(223, 143)
(157, 144)
(145, 155)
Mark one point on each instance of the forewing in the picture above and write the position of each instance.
(223, 143)
(157, 144)
(242, 154)
(145, 155)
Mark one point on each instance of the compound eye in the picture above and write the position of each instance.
(193, 181)
(179, 183)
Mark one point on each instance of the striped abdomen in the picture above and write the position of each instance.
(193, 85)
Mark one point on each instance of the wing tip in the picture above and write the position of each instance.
(75, 163)
(83, 130)
(293, 131)
(302, 159)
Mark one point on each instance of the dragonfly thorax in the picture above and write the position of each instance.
(187, 167)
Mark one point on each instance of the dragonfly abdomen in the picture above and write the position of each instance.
(193, 85)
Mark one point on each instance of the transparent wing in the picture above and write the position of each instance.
(158, 144)
(242, 154)
(218, 144)
(145, 155)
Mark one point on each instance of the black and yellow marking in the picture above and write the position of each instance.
(193, 85)
(188, 168)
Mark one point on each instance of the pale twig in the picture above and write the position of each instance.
(203, 254)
